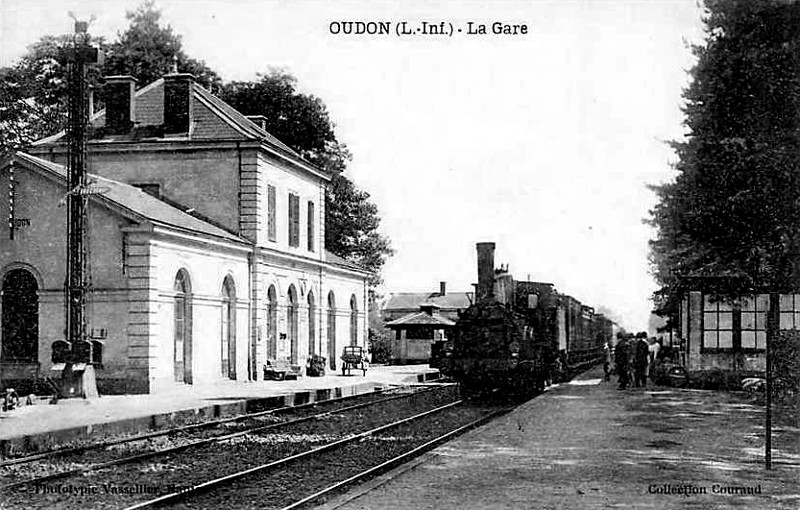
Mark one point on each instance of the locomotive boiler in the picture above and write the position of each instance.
(518, 336)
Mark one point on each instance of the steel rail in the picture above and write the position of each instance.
(400, 459)
(196, 489)
(177, 430)
(199, 442)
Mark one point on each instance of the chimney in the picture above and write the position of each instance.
(430, 308)
(442, 288)
(258, 120)
(485, 290)
(178, 103)
(119, 93)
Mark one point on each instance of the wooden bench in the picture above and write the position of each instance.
(280, 369)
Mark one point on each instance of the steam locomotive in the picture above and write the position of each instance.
(517, 336)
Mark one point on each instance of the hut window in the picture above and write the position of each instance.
(790, 311)
(717, 323)
(754, 321)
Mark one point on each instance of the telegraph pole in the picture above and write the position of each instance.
(78, 55)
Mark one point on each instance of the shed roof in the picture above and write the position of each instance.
(421, 319)
(413, 300)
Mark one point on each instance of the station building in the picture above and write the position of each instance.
(206, 247)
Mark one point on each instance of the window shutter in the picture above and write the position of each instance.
(310, 226)
(271, 211)
(294, 220)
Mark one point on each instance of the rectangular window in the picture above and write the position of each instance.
(294, 220)
(271, 212)
(754, 321)
(789, 311)
(717, 324)
(310, 225)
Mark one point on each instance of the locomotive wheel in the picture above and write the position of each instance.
(469, 390)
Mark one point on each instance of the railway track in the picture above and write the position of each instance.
(65, 463)
(208, 425)
(354, 459)
(179, 465)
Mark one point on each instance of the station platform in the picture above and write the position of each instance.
(44, 426)
(587, 445)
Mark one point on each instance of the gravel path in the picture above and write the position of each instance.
(586, 445)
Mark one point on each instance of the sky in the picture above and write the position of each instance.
(543, 142)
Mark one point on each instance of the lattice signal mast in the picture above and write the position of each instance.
(78, 55)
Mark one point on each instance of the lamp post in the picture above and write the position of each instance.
(772, 329)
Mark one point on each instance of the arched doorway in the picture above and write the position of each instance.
(182, 304)
(20, 330)
(291, 321)
(228, 333)
(272, 323)
(353, 320)
(312, 325)
(332, 330)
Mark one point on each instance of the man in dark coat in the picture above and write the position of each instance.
(641, 354)
(621, 360)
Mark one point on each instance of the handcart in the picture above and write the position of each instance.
(353, 358)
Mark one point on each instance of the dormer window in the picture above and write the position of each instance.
(150, 188)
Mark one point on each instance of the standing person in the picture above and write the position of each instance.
(655, 356)
(607, 360)
(621, 359)
(631, 359)
(641, 355)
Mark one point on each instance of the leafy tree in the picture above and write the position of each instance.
(33, 94)
(351, 226)
(734, 206)
(32, 105)
(147, 50)
(33, 91)
(302, 122)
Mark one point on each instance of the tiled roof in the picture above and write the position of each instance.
(137, 202)
(332, 258)
(412, 300)
(228, 123)
(239, 120)
(421, 319)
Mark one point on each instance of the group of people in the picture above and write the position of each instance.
(632, 356)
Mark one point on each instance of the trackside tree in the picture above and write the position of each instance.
(734, 206)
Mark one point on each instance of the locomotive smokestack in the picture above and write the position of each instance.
(485, 290)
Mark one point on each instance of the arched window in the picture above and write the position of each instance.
(312, 326)
(291, 321)
(228, 333)
(272, 323)
(332, 330)
(182, 330)
(353, 320)
(20, 331)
